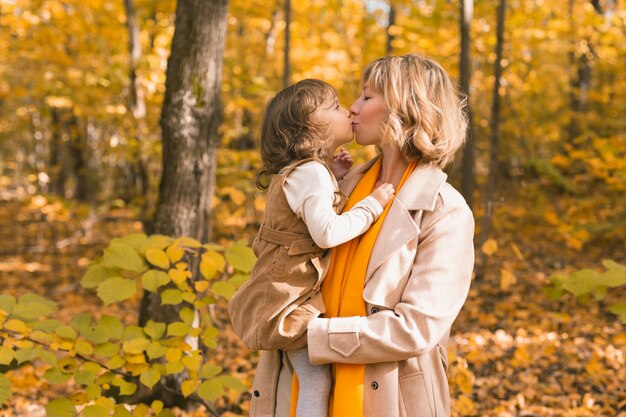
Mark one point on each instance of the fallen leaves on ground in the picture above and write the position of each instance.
(513, 351)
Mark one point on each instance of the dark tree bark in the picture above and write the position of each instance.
(467, 161)
(78, 156)
(190, 118)
(286, 62)
(494, 127)
(390, 22)
(56, 171)
(582, 59)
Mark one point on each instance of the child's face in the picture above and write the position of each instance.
(337, 120)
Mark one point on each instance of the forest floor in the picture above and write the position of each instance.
(513, 352)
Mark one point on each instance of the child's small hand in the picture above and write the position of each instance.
(342, 162)
(383, 194)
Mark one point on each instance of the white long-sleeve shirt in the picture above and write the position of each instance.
(310, 193)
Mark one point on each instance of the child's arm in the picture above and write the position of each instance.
(310, 193)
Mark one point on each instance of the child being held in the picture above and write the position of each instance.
(303, 126)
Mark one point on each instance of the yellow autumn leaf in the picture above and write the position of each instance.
(189, 387)
(521, 357)
(188, 242)
(201, 286)
(462, 378)
(517, 251)
(259, 203)
(173, 355)
(175, 253)
(236, 196)
(177, 275)
(157, 406)
(489, 247)
(158, 258)
(507, 278)
(465, 406)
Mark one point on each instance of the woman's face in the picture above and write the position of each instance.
(369, 112)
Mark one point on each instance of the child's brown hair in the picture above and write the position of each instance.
(289, 133)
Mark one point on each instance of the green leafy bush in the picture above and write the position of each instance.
(587, 284)
(109, 360)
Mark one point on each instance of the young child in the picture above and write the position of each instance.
(302, 128)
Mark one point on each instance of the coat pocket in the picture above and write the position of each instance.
(415, 398)
(343, 335)
(344, 343)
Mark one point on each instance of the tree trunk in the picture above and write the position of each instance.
(56, 171)
(137, 107)
(494, 126)
(190, 118)
(77, 144)
(467, 161)
(189, 121)
(391, 21)
(287, 64)
(137, 102)
(580, 84)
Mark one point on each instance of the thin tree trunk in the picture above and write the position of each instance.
(391, 21)
(55, 169)
(137, 107)
(467, 161)
(287, 63)
(494, 126)
(78, 152)
(137, 102)
(580, 84)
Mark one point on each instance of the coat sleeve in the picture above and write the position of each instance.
(435, 292)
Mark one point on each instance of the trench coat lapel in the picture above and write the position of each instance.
(419, 192)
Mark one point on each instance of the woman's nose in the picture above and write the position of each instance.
(354, 108)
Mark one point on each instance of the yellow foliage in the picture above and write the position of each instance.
(158, 258)
(507, 278)
(173, 354)
(465, 406)
(174, 253)
(489, 247)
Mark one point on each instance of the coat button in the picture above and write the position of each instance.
(257, 393)
(374, 310)
(374, 385)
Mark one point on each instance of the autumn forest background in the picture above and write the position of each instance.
(128, 151)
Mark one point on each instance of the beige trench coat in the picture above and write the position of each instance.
(416, 282)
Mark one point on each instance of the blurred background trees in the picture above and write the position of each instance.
(82, 86)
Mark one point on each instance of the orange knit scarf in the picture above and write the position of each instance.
(343, 295)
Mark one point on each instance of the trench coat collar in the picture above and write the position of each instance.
(419, 192)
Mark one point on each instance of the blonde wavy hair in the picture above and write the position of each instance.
(289, 133)
(426, 112)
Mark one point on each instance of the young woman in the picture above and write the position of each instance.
(392, 294)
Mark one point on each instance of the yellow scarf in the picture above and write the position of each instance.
(343, 296)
